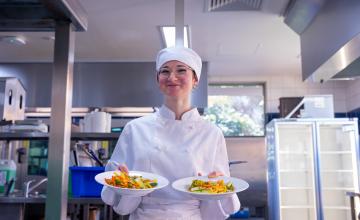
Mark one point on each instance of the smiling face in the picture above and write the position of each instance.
(176, 80)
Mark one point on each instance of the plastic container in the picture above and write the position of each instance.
(242, 213)
(7, 172)
(69, 185)
(83, 182)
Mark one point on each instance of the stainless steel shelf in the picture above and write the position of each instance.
(16, 199)
(94, 136)
(10, 136)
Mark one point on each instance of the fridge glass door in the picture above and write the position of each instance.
(295, 171)
(338, 168)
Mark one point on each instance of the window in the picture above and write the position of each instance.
(238, 109)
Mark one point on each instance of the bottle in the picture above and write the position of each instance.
(7, 173)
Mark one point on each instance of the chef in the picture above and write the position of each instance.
(174, 142)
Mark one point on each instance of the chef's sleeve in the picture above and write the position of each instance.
(122, 205)
(220, 209)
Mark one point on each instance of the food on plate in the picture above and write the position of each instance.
(214, 187)
(123, 180)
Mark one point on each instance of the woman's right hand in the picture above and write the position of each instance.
(123, 168)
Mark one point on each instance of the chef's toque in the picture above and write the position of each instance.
(182, 54)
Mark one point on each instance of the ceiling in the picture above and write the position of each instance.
(233, 42)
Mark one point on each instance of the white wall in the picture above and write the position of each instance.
(292, 85)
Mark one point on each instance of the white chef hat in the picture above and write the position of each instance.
(182, 54)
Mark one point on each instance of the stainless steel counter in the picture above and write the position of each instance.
(22, 199)
(13, 206)
(42, 199)
(76, 136)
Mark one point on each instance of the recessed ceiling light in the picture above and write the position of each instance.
(13, 40)
(168, 36)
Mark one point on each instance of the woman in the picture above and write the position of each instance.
(175, 142)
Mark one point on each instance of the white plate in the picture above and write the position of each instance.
(182, 185)
(162, 182)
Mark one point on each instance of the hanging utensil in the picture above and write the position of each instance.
(9, 185)
(76, 159)
(95, 157)
(91, 154)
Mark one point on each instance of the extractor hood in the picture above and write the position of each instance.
(330, 41)
(40, 15)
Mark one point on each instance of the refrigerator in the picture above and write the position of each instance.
(312, 163)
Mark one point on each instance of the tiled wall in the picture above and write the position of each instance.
(346, 93)
(353, 95)
(253, 150)
(292, 85)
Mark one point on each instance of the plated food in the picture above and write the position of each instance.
(204, 188)
(218, 186)
(135, 183)
(124, 180)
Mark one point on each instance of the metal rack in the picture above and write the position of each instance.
(75, 204)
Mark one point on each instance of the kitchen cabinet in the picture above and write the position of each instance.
(312, 164)
(287, 104)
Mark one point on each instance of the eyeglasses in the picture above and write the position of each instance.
(179, 72)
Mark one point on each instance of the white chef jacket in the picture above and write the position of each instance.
(175, 149)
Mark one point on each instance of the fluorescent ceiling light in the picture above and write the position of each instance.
(343, 78)
(13, 40)
(168, 36)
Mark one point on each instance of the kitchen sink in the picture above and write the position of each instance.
(37, 195)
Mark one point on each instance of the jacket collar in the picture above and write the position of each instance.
(190, 115)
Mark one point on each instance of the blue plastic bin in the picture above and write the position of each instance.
(242, 213)
(83, 182)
